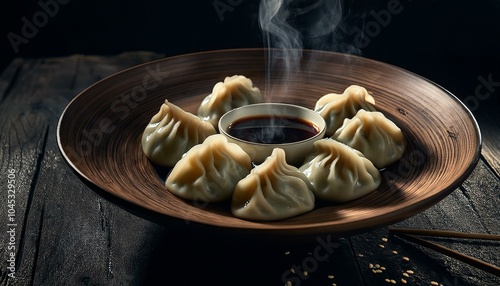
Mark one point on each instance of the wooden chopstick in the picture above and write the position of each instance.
(490, 268)
(445, 233)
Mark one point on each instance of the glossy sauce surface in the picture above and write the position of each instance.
(269, 129)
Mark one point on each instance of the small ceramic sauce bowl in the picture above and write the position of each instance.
(259, 128)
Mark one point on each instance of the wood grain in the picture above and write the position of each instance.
(489, 120)
(466, 210)
(52, 203)
(99, 134)
(77, 234)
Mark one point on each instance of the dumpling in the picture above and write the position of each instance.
(334, 108)
(209, 171)
(339, 173)
(171, 133)
(273, 190)
(235, 91)
(374, 135)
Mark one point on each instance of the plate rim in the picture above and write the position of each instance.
(317, 227)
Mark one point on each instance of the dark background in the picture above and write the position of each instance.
(452, 43)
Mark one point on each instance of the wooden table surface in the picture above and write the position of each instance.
(61, 230)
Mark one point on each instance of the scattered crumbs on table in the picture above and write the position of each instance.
(376, 268)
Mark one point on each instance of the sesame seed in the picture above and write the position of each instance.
(382, 268)
(378, 271)
(370, 265)
(406, 258)
(381, 246)
(384, 239)
(403, 281)
(334, 284)
(388, 280)
(374, 271)
(292, 270)
(377, 265)
(360, 255)
(289, 283)
(395, 252)
(434, 283)
(331, 276)
(305, 273)
(393, 281)
(287, 252)
(409, 271)
(406, 274)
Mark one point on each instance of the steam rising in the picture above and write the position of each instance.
(289, 26)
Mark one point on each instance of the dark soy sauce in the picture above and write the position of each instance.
(267, 129)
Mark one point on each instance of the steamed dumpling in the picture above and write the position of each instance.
(273, 190)
(209, 171)
(374, 135)
(171, 133)
(334, 108)
(235, 91)
(339, 173)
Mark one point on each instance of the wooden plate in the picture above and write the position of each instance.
(99, 133)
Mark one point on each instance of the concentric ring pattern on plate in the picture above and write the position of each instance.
(100, 131)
